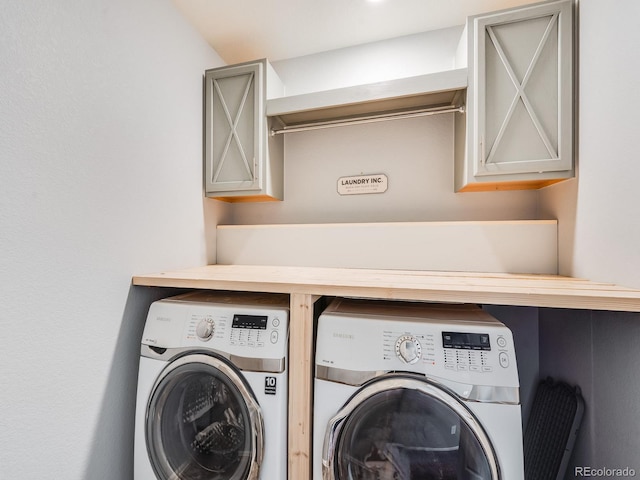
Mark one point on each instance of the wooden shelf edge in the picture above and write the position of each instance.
(484, 288)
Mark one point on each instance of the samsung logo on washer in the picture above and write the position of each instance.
(344, 336)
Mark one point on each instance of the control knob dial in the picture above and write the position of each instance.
(408, 349)
(205, 329)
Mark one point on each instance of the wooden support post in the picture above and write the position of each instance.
(300, 385)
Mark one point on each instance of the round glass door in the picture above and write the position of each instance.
(407, 429)
(203, 422)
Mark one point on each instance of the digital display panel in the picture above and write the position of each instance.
(467, 341)
(252, 322)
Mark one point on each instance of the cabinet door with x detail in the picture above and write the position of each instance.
(523, 90)
(233, 128)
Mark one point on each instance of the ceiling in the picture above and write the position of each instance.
(243, 30)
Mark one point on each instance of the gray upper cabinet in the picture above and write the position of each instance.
(519, 119)
(242, 161)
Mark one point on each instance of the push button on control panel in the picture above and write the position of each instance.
(503, 358)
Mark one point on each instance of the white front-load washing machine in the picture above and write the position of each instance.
(212, 388)
(409, 391)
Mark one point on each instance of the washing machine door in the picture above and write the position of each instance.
(406, 428)
(203, 422)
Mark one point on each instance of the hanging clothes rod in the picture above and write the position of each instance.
(369, 119)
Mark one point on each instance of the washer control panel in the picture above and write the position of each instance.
(254, 330)
(248, 325)
(243, 330)
(454, 351)
(458, 343)
(466, 351)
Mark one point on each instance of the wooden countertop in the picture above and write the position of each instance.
(484, 288)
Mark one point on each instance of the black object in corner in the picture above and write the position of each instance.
(552, 429)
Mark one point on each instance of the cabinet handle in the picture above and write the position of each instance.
(482, 157)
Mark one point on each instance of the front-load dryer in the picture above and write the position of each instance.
(415, 391)
(212, 388)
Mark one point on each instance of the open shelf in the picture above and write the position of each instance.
(401, 95)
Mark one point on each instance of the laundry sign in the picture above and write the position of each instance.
(363, 184)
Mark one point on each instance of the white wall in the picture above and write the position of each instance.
(101, 174)
(407, 56)
(599, 211)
